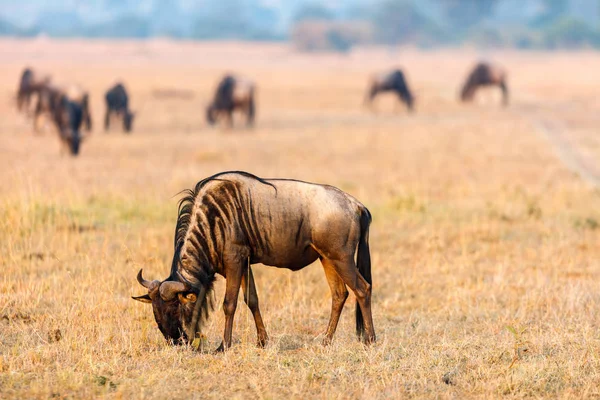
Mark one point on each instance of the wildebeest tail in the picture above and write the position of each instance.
(363, 262)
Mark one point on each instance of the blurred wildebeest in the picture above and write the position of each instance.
(395, 82)
(68, 110)
(234, 219)
(233, 93)
(117, 102)
(485, 74)
(31, 83)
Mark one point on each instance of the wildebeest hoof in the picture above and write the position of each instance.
(327, 341)
(220, 349)
(262, 342)
(368, 340)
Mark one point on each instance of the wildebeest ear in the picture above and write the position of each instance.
(144, 299)
(188, 298)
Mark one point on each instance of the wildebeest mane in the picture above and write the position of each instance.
(187, 203)
(184, 217)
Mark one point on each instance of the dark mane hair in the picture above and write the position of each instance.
(184, 217)
(186, 204)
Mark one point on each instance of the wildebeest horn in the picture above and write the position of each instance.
(169, 289)
(150, 285)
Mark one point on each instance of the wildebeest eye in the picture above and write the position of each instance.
(189, 297)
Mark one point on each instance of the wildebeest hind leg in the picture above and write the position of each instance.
(251, 299)
(362, 290)
(339, 294)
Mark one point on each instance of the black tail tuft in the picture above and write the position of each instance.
(363, 262)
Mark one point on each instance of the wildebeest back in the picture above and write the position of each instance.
(280, 218)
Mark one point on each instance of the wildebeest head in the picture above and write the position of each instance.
(467, 92)
(409, 100)
(70, 116)
(176, 306)
(211, 115)
(128, 120)
(479, 76)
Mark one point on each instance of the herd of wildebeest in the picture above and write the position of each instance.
(234, 219)
(68, 107)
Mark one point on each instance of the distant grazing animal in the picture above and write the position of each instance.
(395, 82)
(31, 83)
(117, 102)
(234, 219)
(68, 110)
(485, 74)
(233, 93)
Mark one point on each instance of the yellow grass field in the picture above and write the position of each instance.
(485, 238)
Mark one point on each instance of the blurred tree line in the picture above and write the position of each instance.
(428, 23)
(313, 26)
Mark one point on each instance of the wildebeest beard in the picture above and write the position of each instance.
(180, 319)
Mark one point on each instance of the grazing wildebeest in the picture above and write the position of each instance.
(234, 219)
(233, 93)
(117, 102)
(395, 82)
(485, 74)
(68, 110)
(31, 83)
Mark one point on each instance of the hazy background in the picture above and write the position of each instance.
(314, 26)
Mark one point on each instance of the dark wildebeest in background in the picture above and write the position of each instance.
(31, 84)
(68, 110)
(234, 219)
(233, 93)
(485, 74)
(117, 102)
(395, 82)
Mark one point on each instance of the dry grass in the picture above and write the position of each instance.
(486, 248)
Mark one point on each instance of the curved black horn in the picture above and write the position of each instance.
(147, 284)
(142, 281)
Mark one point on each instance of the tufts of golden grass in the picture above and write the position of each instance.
(485, 247)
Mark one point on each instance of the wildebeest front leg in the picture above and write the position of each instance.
(339, 294)
(251, 299)
(232, 290)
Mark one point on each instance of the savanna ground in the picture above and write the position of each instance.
(485, 242)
